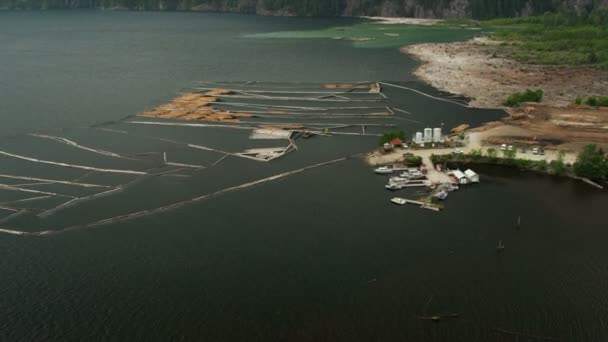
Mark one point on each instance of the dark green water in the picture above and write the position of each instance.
(320, 256)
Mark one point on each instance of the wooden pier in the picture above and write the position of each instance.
(423, 205)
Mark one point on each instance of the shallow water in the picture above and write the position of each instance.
(321, 255)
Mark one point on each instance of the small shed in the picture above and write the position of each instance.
(472, 176)
(460, 177)
(396, 142)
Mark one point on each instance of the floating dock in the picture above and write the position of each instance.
(423, 205)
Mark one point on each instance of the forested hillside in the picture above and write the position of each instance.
(478, 9)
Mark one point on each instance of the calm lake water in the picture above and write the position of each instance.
(319, 256)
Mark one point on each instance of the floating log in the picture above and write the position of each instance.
(82, 167)
(269, 133)
(28, 199)
(13, 232)
(181, 164)
(14, 188)
(425, 94)
(219, 160)
(112, 130)
(76, 145)
(328, 93)
(183, 124)
(78, 200)
(255, 105)
(291, 98)
(347, 86)
(176, 205)
(526, 335)
(401, 111)
(438, 318)
(13, 215)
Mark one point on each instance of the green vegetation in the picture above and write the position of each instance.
(558, 167)
(388, 136)
(563, 38)
(527, 96)
(509, 154)
(491, 153)
(592, 163)
(598, 101)
(522, 164)
(595, 101)
(413, 161)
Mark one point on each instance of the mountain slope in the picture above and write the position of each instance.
(479, 9)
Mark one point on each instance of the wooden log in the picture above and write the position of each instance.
(425, 94)
(290, 98)
(13, 215)
(401, 110)
(176, 205)
(17, 189)
(76, 145)
(255, 105)
(526, 335)
(73, 166)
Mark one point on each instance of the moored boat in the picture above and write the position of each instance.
(441, 195)
(383, 170)
(398, 200)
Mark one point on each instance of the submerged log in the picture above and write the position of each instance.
(526, 335)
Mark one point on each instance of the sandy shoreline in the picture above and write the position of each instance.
(407, 21)
(475, 69)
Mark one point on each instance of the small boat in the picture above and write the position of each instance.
(452, 187)
(441, 195)
(398, 200)
(393, 186)
(416, 174)
(500, 246)
(398, 180)
(383, 170)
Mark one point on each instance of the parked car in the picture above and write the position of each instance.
(503, 147)
(535, 150)
(510, 148)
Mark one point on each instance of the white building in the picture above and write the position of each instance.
(472, 176)
(418, 139)
(437, 135)
(460, 177)
(428, 135)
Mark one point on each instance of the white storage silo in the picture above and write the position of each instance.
(428, 134)
(437, 135)
(418, 138)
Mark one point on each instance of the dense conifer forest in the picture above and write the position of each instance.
(455, 9)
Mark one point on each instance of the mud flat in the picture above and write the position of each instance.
(475, 69)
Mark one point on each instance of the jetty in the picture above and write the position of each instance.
(422, 204)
